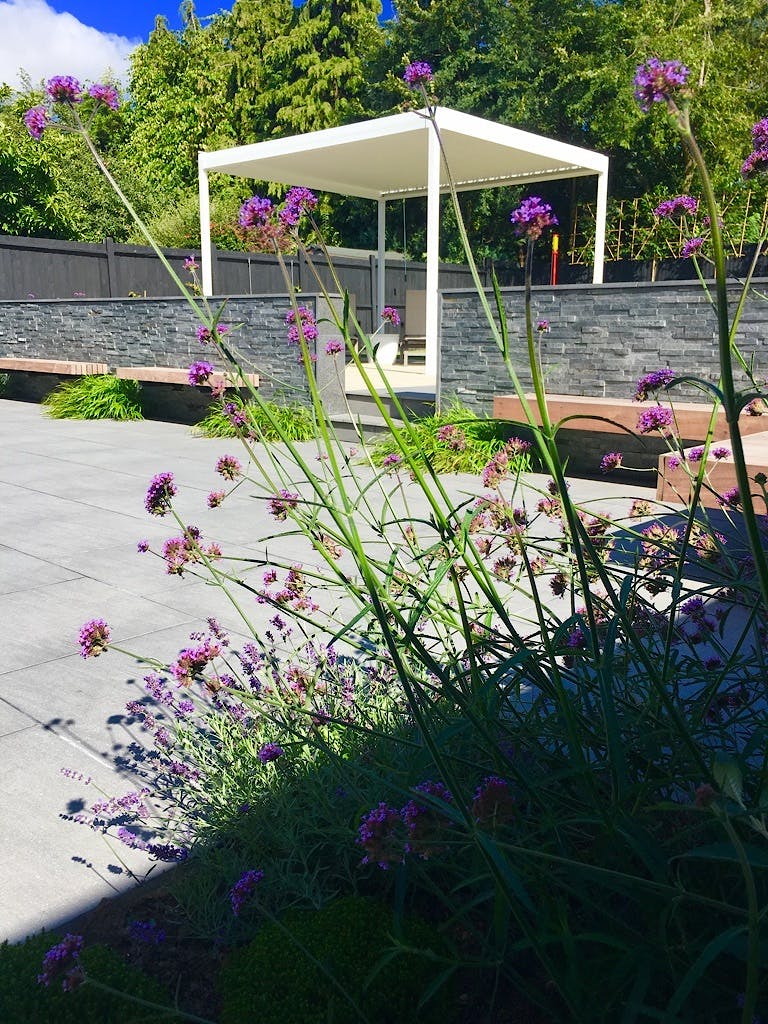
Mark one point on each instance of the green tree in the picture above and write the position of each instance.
(302, 69)
(178, 90)
(51, 188)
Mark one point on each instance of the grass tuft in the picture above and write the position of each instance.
(268, 421)
(101, 397)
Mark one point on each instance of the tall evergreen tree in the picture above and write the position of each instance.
(303, 68)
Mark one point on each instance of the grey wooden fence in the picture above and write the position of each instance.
(43, 268)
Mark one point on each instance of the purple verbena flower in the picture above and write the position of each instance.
(190, 263)
(655, 418)
(106, 94)
(452, 437)
(610, 461)
(659, 81)
(280, 504)
(161, 490)
(199, 372)
(243, 889)
(720, 453)
(391, 316)
(493, 803)
(229, 467)
(167, 852)
(576, 639)
(215, 498)
(690, 247)
(94, 638)
(532, 216)
(64, 89)
(676, 207)
(307, 322)
(756, 163)
(731, 497)
(418, 73)
(391, 461)
(333, 347)
(36, 120)
(142, 547)
(542, 326)
(695, 454)
(254, 212)
(270, 752)
(380, 835)
(652, 382)
(205, 334)
(63, 957)
(760, 134)
(298, 201)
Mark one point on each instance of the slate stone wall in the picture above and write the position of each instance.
(602, 338)
(162, 332)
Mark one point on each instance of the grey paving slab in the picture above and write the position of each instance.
(19, 571)
(52, 868)
(71, 509)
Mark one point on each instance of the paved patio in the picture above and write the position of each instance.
(72, 509)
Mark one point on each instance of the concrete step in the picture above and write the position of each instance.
(416, 403)
(349, 428)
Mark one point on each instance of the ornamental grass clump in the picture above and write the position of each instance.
(265, 421)
(537, 724)
(101, 397)
(454, 440)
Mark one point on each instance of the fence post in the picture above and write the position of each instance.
(376, 300)
(214, 268)
(109, 249)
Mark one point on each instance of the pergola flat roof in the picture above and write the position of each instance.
(396, 157)
(387, 158)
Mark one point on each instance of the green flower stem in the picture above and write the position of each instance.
(203, 314)
(726, 346)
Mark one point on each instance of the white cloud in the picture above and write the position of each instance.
(43, 42)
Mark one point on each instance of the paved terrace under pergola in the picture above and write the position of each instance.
(397, 157)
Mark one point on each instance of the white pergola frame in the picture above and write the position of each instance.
(400, 156)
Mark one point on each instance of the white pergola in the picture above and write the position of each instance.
(397, 157)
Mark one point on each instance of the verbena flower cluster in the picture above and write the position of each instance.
(531, 217)
(418, 73)
(63, 960)
(159, 494)
(652, 382)
(94, 638)
(659, 81)
(757, 161)
(243, 889)
(677, 207)
(66, 90)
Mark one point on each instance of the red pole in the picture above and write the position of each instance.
(553, 261)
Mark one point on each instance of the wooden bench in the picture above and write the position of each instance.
(674, 483)
(692, 418)
(174, 375)
(62, 367)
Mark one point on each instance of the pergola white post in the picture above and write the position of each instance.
(433, 251)
(600, 219)
(381, 266)
(205, 234)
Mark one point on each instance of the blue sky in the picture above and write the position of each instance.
(134, 18)
(83, 38)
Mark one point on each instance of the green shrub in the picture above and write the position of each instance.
(24, 1001)
(269, 421)
(278, 979)
(101, 397)
(465, 449)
